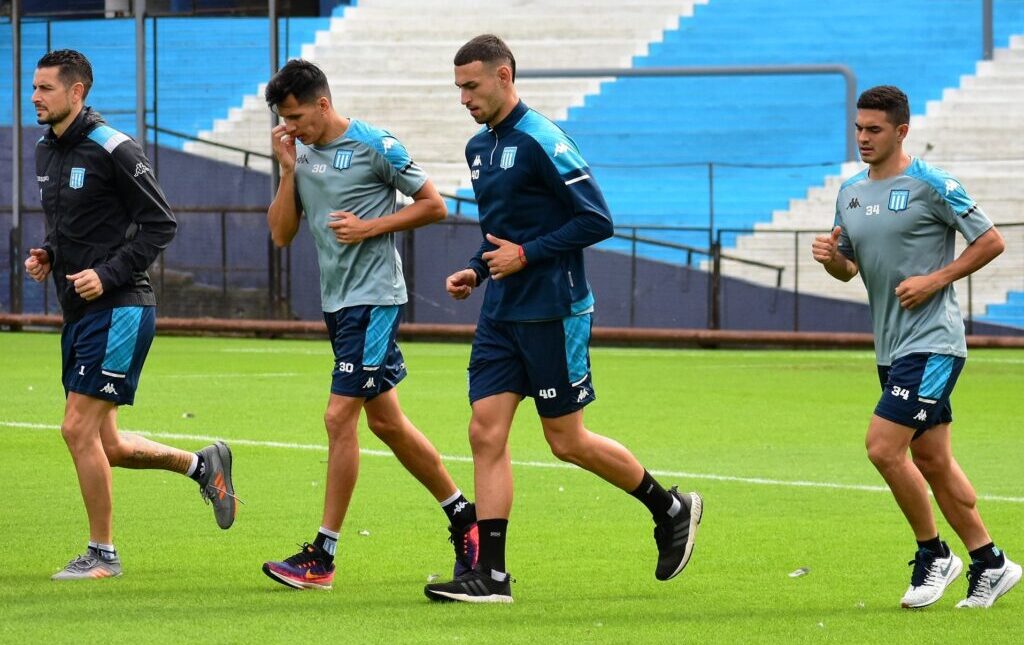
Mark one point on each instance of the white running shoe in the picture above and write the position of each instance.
(932, 574)
(984, 586)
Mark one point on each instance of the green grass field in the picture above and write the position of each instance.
(742, 427)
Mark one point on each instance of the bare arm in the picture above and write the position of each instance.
(427, 207)
(825, 250)
(916, 290)
(283, 216)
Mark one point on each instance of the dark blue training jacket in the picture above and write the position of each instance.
(534, 188)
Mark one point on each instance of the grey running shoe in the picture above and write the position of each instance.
(675, 536)
(215, 485)
(87, 566)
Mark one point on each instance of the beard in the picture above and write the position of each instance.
(54, 116)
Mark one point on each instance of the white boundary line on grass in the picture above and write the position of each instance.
(757, 481)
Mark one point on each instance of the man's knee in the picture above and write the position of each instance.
(884, 455)
(386, 428)
(339, 422)
(484, 437)
(932, 465)
(566, 450)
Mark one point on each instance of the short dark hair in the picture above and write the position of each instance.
(300, 78)
(889, 99)
(486, 48)
(72, 67)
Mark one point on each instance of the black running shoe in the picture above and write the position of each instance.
(472, 586)
(675, 536)
(467, 546)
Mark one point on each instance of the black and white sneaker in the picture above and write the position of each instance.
(472, 586)
(932, 574)
(675, 536)
(985, 586)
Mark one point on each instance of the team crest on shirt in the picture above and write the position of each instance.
(899, 200)
(508, 157)
(342, 159)
(77, 179)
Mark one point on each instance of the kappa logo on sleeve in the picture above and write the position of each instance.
(141, 169)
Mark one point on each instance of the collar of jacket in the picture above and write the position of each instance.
(512, 119)
(83, 124)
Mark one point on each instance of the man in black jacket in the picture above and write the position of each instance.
(106, 222)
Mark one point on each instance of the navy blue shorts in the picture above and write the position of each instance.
(367, 360)
(916, 389)
(547, 360)
(103, 352)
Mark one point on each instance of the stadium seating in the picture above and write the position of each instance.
(391, 66)
(965, 133)
(204, 65)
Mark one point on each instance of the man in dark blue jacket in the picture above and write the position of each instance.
(106, 222)
(539, 208)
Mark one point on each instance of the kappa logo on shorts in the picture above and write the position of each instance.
(920, 416)
(369, 383)
(108, 389)
(582, 395)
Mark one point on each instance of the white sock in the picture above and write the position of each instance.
(107, 551)
(331, 543)
(676, 507)
(195, 464)
(457, 494)
(498, 575)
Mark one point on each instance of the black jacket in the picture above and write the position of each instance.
(104, 211)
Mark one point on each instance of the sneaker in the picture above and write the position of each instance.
(675, 536)
(215, 485)
(89, 565)
(467, 546)
(307, 569)
(932, 574)
(472, 586)
(984, 586)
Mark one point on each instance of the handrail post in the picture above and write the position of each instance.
(987, 46)
(796, 280)
(632, 279)
(715, 292)
(16, 267)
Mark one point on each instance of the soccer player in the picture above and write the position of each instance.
(895, 225)
(343, 173)
(106, 222)
(539, 208)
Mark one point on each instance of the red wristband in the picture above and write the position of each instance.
(522, 255)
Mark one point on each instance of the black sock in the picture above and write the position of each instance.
(657, 500)
(327, 544)
(989, 555)
(200, 471)
(492, 545)
(460, 512)
(934, 545)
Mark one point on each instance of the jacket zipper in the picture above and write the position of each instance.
(494, 148)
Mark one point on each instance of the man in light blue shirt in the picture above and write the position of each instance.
(343, 174)
(895, 225)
